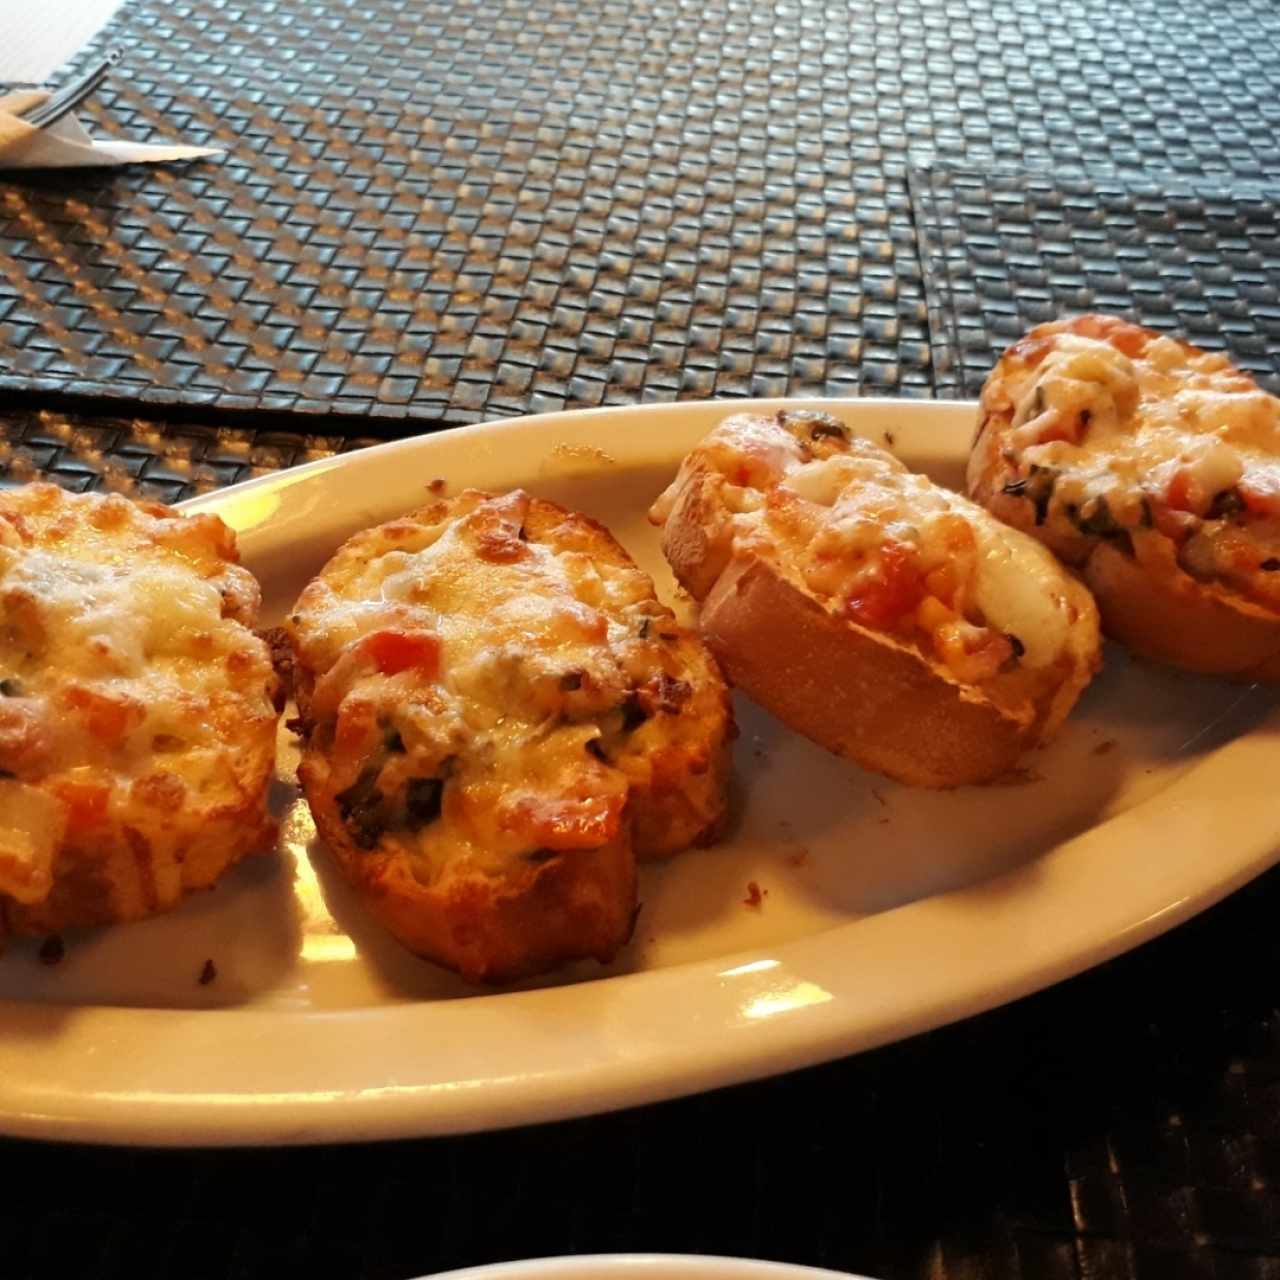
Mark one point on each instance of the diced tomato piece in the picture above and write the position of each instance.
(896, 589)
(396, 651)
(973, 653)
(107, 719)
(1176, 525)
(1030, 351)
(987, 658)
(567, 821)
(1127, 338)
(85, 801)
(1261, 492)
(1182, 492)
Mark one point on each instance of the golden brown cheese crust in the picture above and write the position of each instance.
(1153, 469)
(499, 717)
(137, 717)
(887, 619)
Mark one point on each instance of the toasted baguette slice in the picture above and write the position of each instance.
(888, 619)
(137, 716)
(498, 718)
(1153, 469)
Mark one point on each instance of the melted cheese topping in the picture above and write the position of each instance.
(1122, 428)
(1151, 416)
(121, 679)
(837, 507)
(539, 657)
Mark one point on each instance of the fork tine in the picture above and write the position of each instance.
(70, 97)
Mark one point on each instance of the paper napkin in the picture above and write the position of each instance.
(36, 39)
(66, 144)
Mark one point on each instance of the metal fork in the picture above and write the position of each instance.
(71, 96)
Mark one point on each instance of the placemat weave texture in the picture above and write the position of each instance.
(468, 209)
(481, 208)
(1003, 251)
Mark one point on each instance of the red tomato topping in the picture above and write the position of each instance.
(106, 718)
(396, 651)
(985, 660)
(1261, 492)
(1125, 337)
(85, 802)
(1176, 525)
(1031, 350)
(1182, 495)
(880, 601)
(567, 821)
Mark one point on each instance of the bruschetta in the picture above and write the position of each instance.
(498, 718)
(137, 709)
(888, 619)
(1153, 469)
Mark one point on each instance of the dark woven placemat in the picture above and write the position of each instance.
(1003, 251)
(486, 207)
(146, 459)
(463, 210)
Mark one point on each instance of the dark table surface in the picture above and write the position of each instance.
(430, 214)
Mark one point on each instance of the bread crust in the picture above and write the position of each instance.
(1169, 617)
(599, 656)
(1148, 603)
(855, 693)
(127, 874)
(860, 693)
(576, 905)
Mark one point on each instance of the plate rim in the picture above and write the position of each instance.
(641, 1266)
(762, 1014)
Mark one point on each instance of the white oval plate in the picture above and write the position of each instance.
(886, 911)
(642, 1266)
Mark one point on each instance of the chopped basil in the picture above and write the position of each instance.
(1037, 487)
(1224, 504)
(633, 714)
(1098, 522)
(821, 426)
(672, 693)
(423, 798)
(830, 430)
(360, 807)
